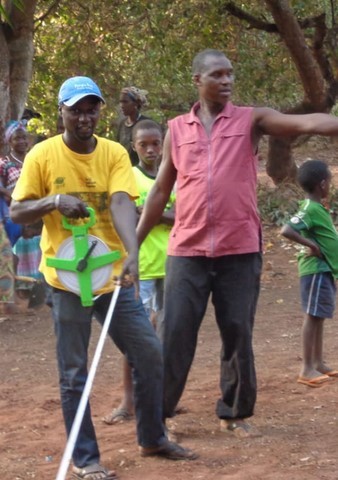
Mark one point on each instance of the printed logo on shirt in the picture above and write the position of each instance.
(97, 200)
(295, 220)
(59, 181)
(90, 183)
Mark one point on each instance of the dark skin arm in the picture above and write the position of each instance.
(159, 194)
(167, 217)
(124, 218)
(123, 215)
(267, 121)
(294, 236)
(30, 211)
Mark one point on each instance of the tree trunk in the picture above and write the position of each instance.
(309, 71)
(21, 50)
(16, 60)
(280, 165)
(4, 83)
(314, 72)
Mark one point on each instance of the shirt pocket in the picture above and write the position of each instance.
(234, 157)
(191, 157)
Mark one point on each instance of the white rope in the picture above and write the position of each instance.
(67, 456)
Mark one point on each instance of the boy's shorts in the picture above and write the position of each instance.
(151, 293)
(318, 294)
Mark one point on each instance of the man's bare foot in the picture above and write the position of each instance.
(118, 415)
(310, 373)
(239, 428)
(326, 370)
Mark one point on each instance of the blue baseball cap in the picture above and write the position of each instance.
(76, 88)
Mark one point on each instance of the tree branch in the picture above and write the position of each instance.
(52, 7)
(333, 9)
(253, 21)
(318, 50)
(261, 24)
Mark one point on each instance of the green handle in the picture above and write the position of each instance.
(80, 229)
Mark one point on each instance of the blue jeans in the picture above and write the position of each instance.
(152, 295)
(133, 334)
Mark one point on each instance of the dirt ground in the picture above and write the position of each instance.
(298, 424)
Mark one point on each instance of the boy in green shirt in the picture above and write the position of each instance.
(312, 227)
(147, 140)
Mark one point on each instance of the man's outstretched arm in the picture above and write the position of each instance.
(267, 121)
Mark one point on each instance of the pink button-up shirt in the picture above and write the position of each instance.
(216, 203)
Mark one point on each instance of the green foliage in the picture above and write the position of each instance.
(333, 203)
(277, 204)
(36, 126)
(151, 45)
(4, 13)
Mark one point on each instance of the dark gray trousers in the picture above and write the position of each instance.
(233, 282)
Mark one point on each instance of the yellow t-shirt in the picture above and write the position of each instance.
(51, 168)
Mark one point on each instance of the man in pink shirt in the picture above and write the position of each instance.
(215, 245)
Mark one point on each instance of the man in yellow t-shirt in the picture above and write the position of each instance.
(62, 176)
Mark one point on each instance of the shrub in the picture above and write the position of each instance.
(277, 204)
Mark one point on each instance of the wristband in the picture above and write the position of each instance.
(57, 201)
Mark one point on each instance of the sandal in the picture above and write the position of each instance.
(332, 373)
(95, 471)
(239, 428)
(315, 382)
(170, 451)
(118, 415)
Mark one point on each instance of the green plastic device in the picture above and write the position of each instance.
(83, 263)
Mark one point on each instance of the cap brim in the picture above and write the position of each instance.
(72, 101)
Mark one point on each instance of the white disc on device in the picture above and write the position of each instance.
(99, 276)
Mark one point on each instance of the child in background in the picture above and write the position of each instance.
(27, 258)
(312, 227)
(147, 141)
(7, 305)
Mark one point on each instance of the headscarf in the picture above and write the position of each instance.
(137, 95)
(12, 127)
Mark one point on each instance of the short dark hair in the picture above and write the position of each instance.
(311, 173)
(146, 124)
(198, 63)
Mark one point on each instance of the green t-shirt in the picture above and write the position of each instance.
(314, 222)
(153, 251)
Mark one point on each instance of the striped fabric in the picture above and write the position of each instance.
(29, 256)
